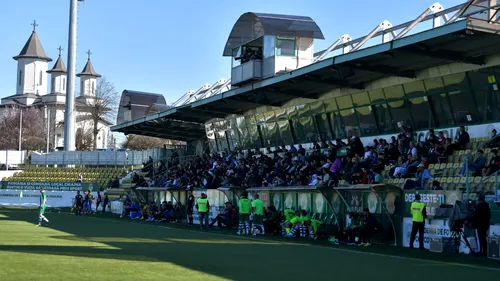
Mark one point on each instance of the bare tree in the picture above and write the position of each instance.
(83, 137)
(137, 142)
(101, 107)
(34, 130)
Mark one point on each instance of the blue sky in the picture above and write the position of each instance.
(171, 47)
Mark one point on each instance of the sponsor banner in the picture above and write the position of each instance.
(438, 228)
(31, 198)
(50, 186)
(432, 200)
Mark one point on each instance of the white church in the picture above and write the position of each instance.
(33, 89)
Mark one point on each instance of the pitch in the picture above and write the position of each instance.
(107, 248)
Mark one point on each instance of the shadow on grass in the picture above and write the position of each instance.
(228, 256)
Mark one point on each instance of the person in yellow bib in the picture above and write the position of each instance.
(203, 207)
(258, 216)
(245, 208)
(419, 213)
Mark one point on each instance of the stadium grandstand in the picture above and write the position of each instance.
(362, 124)
(412, 106)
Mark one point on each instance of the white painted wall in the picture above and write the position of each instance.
(58, 83)
(87, 86)
(32, 73)
(305, 54)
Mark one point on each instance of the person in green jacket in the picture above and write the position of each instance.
(245, 208)
(291, 219)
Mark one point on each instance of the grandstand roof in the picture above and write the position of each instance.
(467, 41)
(137, 104)
(251, 26)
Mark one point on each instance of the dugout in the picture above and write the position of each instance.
(384, 201)
(317, 201)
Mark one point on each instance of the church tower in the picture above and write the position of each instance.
(58, 75)
(32, 66)
(88, 79)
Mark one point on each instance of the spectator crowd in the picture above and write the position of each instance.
(325, 164)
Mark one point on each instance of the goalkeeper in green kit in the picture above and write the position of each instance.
(43, 205)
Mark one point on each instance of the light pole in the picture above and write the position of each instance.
(47, 116)
(69, 122)
(20, 127)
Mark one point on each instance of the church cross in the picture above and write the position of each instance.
(60, 50)
(34, 25)
(89, 53)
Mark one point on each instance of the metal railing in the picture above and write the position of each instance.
(473, 9)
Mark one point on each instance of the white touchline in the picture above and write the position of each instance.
(320, 247)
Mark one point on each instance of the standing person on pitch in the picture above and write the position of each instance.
(203, 207)
(419, 213)
(78, 203)
(99, 200)
(245, 207)
(258, 216)
(190, 206)
(105, 203)
(43, 205)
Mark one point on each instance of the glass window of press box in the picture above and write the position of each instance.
(466, 98)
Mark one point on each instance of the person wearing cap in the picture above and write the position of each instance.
(422, 176)
(481, 222)
(418, 213)
(203, 207)
(245, 208)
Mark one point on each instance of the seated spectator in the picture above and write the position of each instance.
(79, 178)
(227, 218)
(399, 170)
(436, 185)
(422, 176)
(475, 166)
(351, 232)
(377, 177)
(370, 226)
(272, 221)
(493, 165)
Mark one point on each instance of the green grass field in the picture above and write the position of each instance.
(108, 248)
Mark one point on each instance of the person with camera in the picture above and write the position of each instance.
(481, 222)
(419, 213)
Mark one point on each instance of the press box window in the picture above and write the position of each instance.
(285, 46)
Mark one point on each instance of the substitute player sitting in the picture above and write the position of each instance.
(293, 225)
(43, 205)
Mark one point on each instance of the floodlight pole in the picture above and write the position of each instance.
(69, 120)
(20, 127)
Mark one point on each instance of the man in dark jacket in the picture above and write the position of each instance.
(481, 221)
